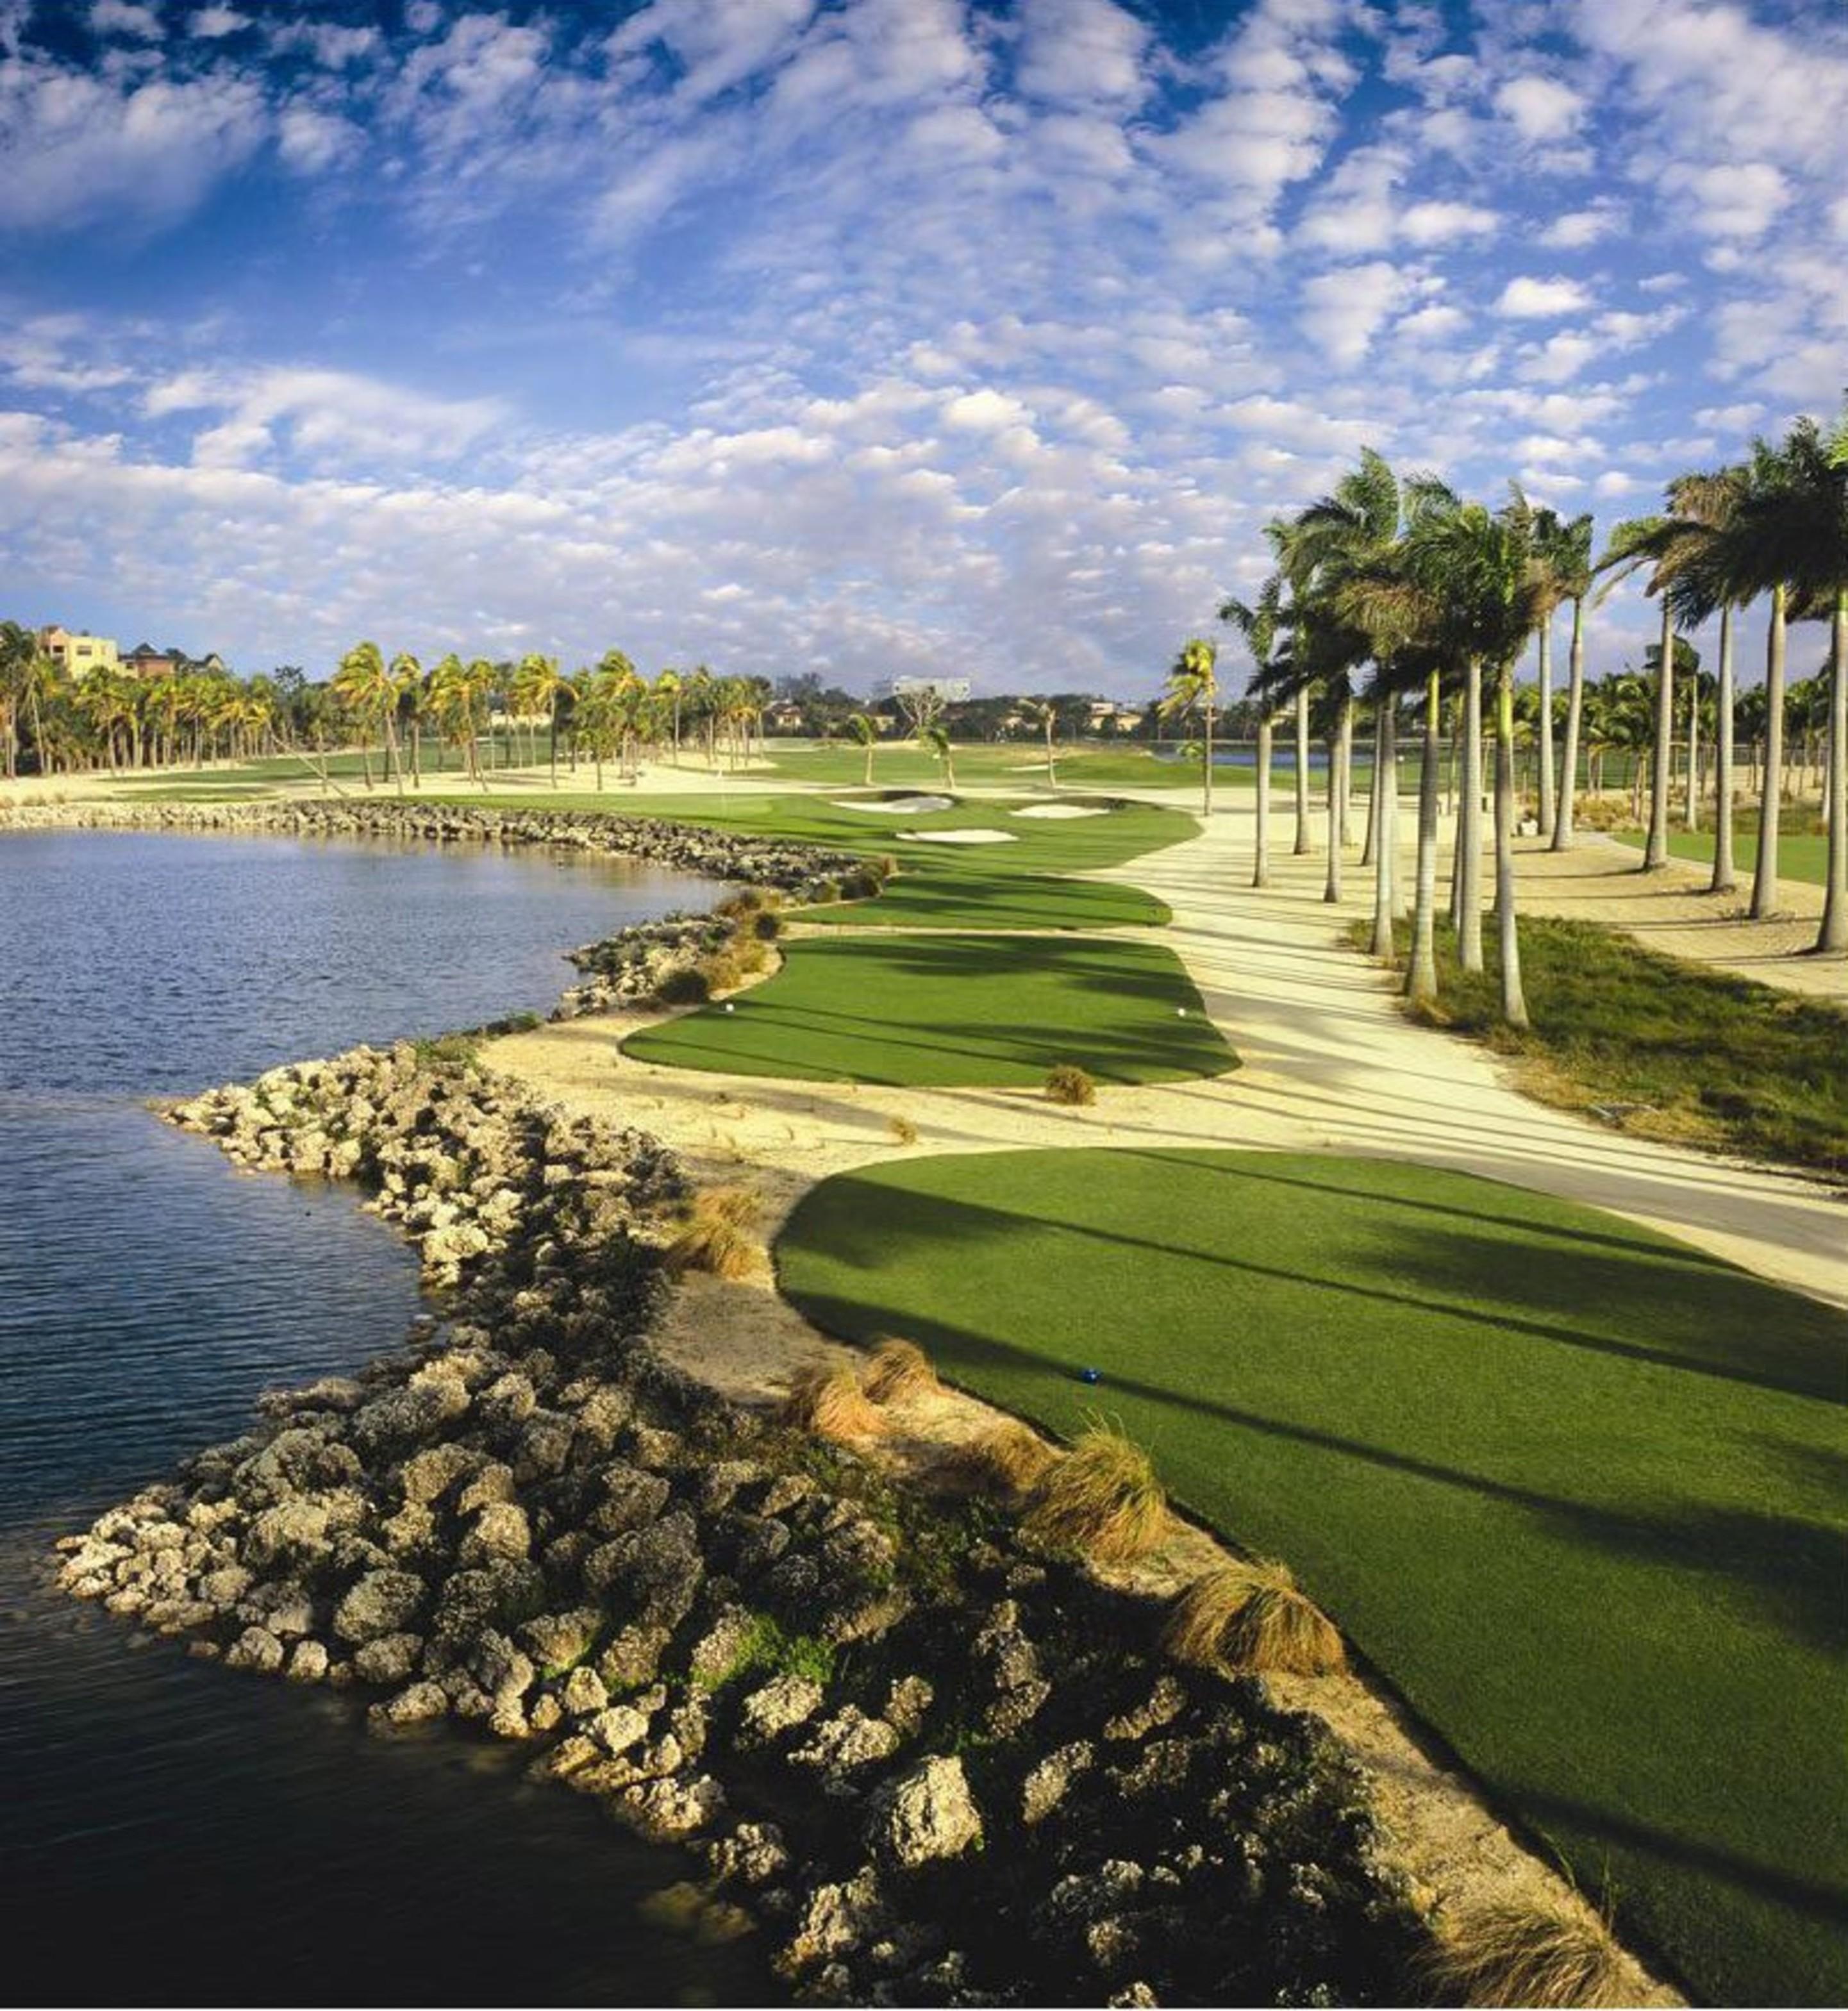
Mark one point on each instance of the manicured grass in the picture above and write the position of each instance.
(1578, 1491)
(1019, 763)
(1022, 884)
(1718, 1060)
(1800, 856)
(950, 1011)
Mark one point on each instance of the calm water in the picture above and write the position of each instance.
(170, 1833)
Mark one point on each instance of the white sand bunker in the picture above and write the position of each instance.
(900, 806)
(1060, 811)
(961, 837)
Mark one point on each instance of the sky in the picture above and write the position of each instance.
(972, 338)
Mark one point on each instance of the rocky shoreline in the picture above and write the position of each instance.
(931, 1763)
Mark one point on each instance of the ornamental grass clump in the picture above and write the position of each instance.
(719, 1235)
(1007, 1458)
(1530, 1952)
(1251, 1617)
(684, 984)
(826, 1401)
(896, 1370)
(1102, 1499)
(1067, 1082)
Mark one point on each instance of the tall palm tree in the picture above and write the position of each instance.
(1790, 533)
(667, 684)
(863, 733)
(1042, 712)
(406, 674)
(1562, 555)
(365, 686)
(1193, 686)
(935, 739)
(1663, 544)
(1569, 559)
(1262, 625)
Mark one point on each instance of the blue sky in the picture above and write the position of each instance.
(870, 336)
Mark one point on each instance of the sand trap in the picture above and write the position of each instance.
(1060, 811)
(900, 806)
(961, 837)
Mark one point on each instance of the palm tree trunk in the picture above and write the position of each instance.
(1514, 1005)
(1344, 748)
(1421, 980)
(1302, 772)
(1383, 792)
(1261, 850)
(1467, 879)
(554, 739)
(1723, 880)
(1694, 796)
(1833, 936)
(866, 780)
(1052, 759)
(1206, 764)
(1331, 885)
(1655, 853)
(1765, 876)
(1548, 801)
(1369, 843)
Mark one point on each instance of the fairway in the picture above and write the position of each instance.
(950, 1011)
(1578, 1491)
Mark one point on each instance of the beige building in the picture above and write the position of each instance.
(80, 655)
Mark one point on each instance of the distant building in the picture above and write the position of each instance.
(79, 655)
(144, 660)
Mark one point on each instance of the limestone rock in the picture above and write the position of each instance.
(925, 1815)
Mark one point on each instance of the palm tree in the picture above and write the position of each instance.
(1663, 544)
(1042, 712)
(936, 739)
(1262, 626)
(668, 684)
(1789, 533)
(1193, 686)
(366, 687)
(406, 674)
(1563, 559)
(863, 733)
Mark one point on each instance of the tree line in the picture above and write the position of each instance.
(1404, 596)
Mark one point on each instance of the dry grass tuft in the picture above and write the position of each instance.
(829, 1403)
(1007, 1458)
(719, 1236)
(1251, 1617)
(1102, 1498)
(1067, 1082)
(903, 1130)
(1539, 1953)
(896, 1370)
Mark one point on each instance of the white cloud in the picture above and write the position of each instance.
(1080, 51)
(1576, 228)
(1342, 311)
(311, 142)
(210, 24)
(1540, 109)
(1742, 200)
(123, 17)
(1531, 299)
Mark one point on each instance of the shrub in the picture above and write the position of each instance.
(726, 968)
(1530, 1952)
(684, 985)
(898, 1369)
(1067, 1082)
(1251, 1617)
(718, 1235)
(829, 1402)
(1008, 1458)
(1101, 1499)
(766, 926)
(448, 1053)
(861, 884)
(746, 901)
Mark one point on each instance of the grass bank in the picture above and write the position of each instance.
(1801, 856)
(954, 1011)
(1579, 1491)
(1706, 1058)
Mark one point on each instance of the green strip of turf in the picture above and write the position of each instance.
(1803, 856)
(951, 1011)
(1580, 1492)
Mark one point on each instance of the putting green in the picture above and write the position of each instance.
(1579, 1491)
(950, 1011)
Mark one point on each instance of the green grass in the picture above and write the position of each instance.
(1721, 1061)
(1019, 764)
(1022, 884)
(951, 1011)
(1800, 856)
(1578, 1491)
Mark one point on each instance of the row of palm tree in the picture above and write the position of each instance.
(1389, 591)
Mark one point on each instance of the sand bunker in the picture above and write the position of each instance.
(900, 806)
(1060, 811)
(961, 837)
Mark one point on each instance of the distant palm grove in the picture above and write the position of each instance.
(1388, 596)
